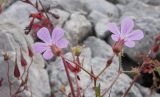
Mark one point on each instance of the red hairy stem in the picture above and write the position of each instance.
(44, 10)
(106, 90)
(92, 75)
(9, 82)
(108, 63)
(132, 83)
(78, 87)
(68, 76)
(24, 82)
(29, 65)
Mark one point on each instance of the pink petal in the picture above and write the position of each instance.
(62, 43)
(112, 27)
(115, 37)
(44, 35)
(127, 25)
(57, 34)
(136, 35)
(39, 47)
(129, 44)
(48, 54)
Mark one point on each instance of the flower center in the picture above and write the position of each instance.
(55, 50)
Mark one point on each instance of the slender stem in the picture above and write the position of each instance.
(23, 73)
(44, 9)
(106, 90)
(9, 82)
(68, 76)
(95, 82)
(120, 61)
(95, 85)
(84, 69)
(78, 87)
(27, 71)
(30, 65)
(101, 72)
(132, 83)
(92, 75)
(108, 63)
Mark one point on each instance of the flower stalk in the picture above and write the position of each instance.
(68, 76)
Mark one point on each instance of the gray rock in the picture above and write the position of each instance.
(150, 2)
(101, 28)
(154, 2)
(63, 17)
(19, 13)
(94, 16)
(146, 18)
(129, 1)
(68, 5)
(78, 27)
(102, 6)
(98, 47)
(101, 13)
(86, 6)
(12, 39)
(100, 21)
(146, 92)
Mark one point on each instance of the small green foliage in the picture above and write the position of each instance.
(98, 91)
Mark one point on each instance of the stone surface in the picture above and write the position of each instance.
(101, 28)
(86, 6)
(98, 47)
(78, 27)
(150, 2)
(102, 6)
(19, 13)
(12, 39)
(154, 2)
(146, 92)
(63, 17)
(94, 16)
(100, 20)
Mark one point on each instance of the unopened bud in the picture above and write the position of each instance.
(77, 50)
(16, 71)
(23, 61)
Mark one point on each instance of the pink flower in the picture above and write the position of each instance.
(55, 40)
(127, 34)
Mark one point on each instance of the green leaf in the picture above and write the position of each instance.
(98, 91)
